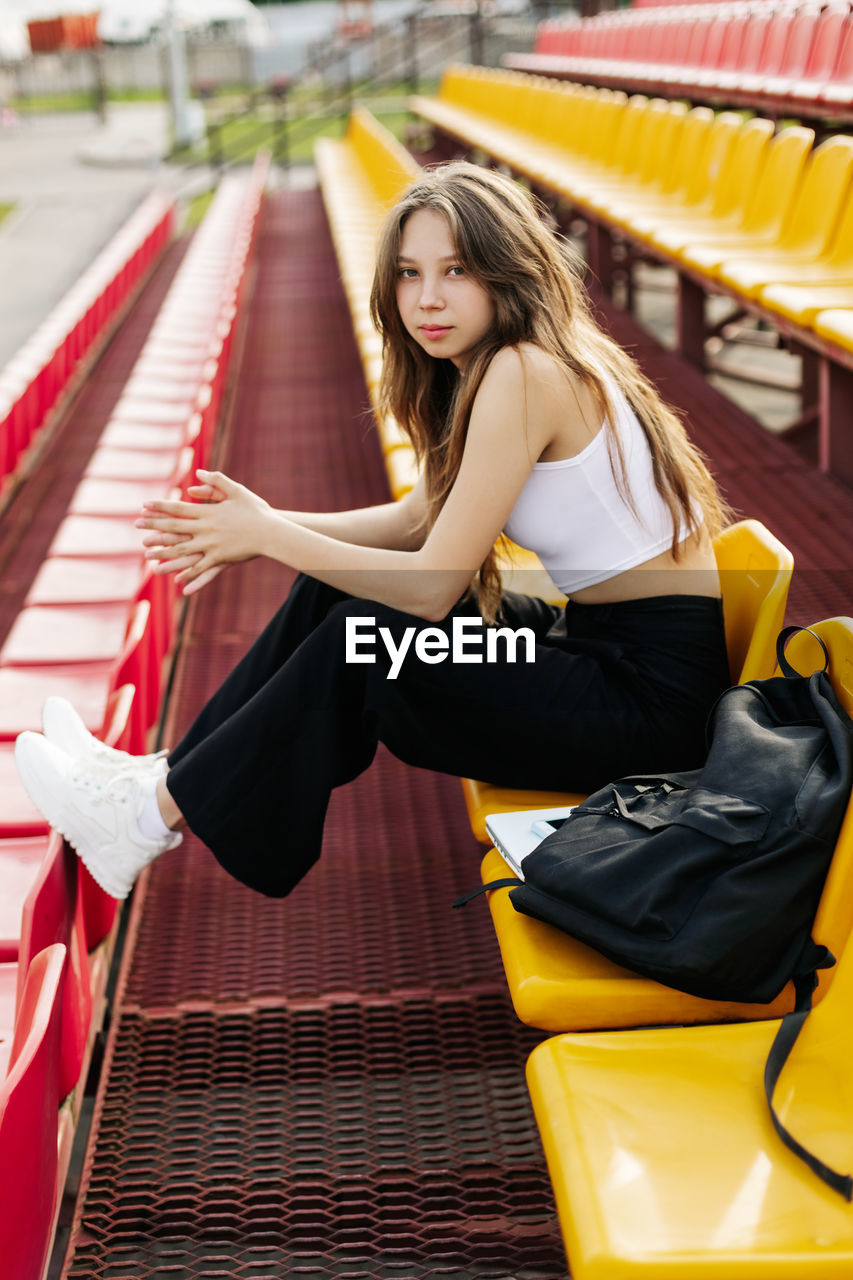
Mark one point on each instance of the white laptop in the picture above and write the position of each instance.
(516, 834)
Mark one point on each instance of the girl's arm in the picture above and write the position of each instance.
(505, 436)
(396, 526)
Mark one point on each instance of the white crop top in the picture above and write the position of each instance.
(572, 515)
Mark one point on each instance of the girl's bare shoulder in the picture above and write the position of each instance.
(537, 370)
(547, 385)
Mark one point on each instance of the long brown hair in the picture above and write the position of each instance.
(535, 285)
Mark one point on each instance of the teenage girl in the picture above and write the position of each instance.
(527, 420)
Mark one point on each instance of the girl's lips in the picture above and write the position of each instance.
(434, 330)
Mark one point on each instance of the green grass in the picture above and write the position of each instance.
(5, 209)
(36, 104)
(238, 134)
(197, 208)
(226, 97)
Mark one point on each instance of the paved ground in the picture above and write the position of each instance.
(73, 181)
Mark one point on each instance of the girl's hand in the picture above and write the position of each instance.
(194, 540)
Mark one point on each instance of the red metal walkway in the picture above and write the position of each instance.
(332, 1085)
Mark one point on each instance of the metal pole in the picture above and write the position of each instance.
(347, 80)
(99, 92)
(411, 32)
(477, 35)
(178, 79)
(278, 91)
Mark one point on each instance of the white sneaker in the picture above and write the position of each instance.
(98, 815)
(64, 727)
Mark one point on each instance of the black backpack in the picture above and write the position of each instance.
(708, 881)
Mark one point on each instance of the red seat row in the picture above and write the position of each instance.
(43, 370)
(95, 627)
(794, 58)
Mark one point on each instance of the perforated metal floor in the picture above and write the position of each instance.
(331, 1085)
(345, 1139)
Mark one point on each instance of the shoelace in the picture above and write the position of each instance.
(105, 755)
(114, 790)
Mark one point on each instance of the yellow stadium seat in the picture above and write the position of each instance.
(818, 286)
(765, 215)
(755, 573)
(402, 470)
(664, 1162)
(591, 129)
(386, 161)
(807, 234)
(724, 181)
(836, 325)
(802, 303)
(650, 159)
(670, 190)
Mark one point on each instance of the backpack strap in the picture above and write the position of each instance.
(509, 883)
(782, 640)
(792, 1025)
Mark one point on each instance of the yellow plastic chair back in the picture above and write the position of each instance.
(740, 171)
(815, 211)
(840, 253)
(387, 162)
(706, 171)
(755, 573)
(773, 196)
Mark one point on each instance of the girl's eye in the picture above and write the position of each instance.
(407, 273)
(457, 271)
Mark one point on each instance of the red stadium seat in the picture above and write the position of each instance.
(87, 683)
(20, 861)
(838, 90)
(831, 24)
(43, 634)
(29, 1114)
(18, 815)
(53, 913)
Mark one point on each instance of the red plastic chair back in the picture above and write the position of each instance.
(830, 29)
(133, 666)
(53, 912)
(798, 47)
(725, 41)
(694, 52)
(775, 45)
(29, 1106)
(843, 71)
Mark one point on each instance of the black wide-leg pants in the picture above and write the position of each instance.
(614, 689)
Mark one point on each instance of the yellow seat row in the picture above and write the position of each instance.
(735, 207)
(659, 1141)
(361, 175)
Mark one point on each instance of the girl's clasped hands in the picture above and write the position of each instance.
(224, 523)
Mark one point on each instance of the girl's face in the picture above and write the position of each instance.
(443, 308)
